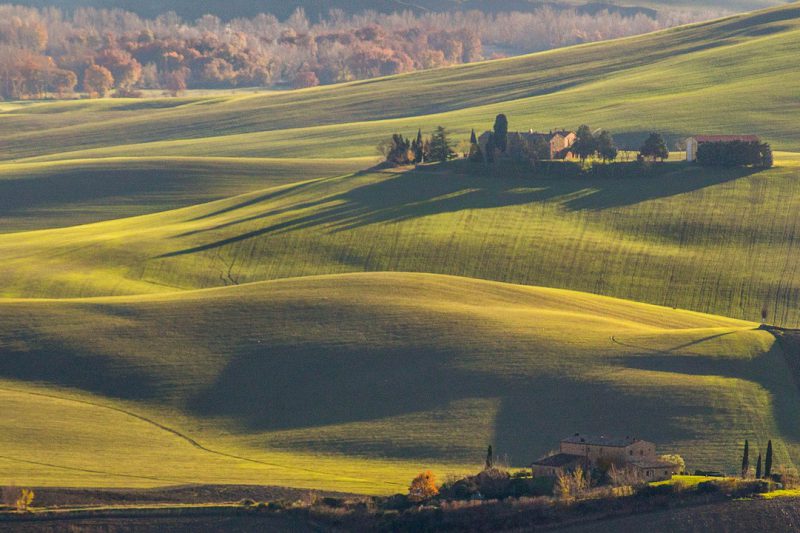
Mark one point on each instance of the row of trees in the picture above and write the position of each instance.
(735, 154)
(759, 473)
(399, 150)
(50, 53)
(598, 144)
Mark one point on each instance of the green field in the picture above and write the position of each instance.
(664, 81)
(355, 382)
(225, 290)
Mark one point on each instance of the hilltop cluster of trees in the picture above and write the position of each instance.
(399, 150)
(49, 53)
(735, 154)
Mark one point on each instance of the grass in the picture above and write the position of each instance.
(646, 238)
(207, 290)
(75, 192)
(783, 493)
(661, 81)
(350, 386)
(685, 481)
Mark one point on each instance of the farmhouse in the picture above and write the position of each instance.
(693, 143)
(520, 145)
(593, 451)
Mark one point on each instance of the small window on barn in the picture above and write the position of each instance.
(630, 452)
(649, 473)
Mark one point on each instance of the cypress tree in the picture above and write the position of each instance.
(758, 467)
(501, 132)
(475, 154)
(745, 459)
(491, 146)
(419, 148)
(489, 458)
(768, 460)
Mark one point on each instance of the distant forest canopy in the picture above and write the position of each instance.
(50, 53)
(319, 9)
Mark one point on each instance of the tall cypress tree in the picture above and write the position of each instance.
(475, 154)
(489, 458)
(491, 146)
(768, 460)
(419, 148)
(745, 459)
(501, 132)
(758, 467)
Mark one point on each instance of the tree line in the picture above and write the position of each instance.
(588, 144)
(49, 53)
(399, 150)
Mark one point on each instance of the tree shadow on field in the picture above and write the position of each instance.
(287, 387)
(461, 185)
(527, 430)
(55, 362)
(768, 371)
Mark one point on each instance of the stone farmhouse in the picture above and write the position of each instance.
(590, 452)
(520, 144)
(693, 143)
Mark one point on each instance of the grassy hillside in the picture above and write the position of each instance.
(661, 81)
(374, 376)
(712, 241)
(351, 364)
(65, 193)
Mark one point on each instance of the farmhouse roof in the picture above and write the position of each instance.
(725, 138)
(602, 440)
(559, 459)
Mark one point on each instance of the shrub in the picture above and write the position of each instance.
(25, 500)
(423, 487)
(735, 154)
(494, 483)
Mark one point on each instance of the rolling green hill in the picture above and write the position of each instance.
(218, 289)
(65, 193)
(712, 241)
(391, 372)
(661, 81)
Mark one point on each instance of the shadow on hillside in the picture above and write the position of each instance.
(459, 186)
(526, 430)
(55, 362)
(769, 371)
(289, 387)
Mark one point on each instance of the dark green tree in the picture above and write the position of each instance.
(766, 156)
(654, 148)
(418, 147)
(745, 459)
(605, 146)
(537, 149)
(475, 154)
(758, 467)
(440, 149)
(585, 145)
(396, 150)
(489, 458)
(491, 148)
(501, 132)
(768, 460)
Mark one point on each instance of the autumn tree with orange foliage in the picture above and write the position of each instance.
(423, 487)
(97, 81)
